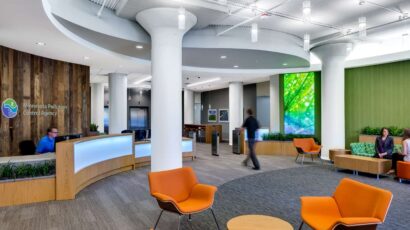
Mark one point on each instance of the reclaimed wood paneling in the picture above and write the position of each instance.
(30, 79)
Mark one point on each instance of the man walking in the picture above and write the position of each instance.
(251, 125)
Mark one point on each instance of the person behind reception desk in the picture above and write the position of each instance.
(46, 143)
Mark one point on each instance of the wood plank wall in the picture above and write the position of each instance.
(37, 80)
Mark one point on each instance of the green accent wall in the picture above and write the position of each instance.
(377, 96)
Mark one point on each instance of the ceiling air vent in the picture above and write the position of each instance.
(109, 4)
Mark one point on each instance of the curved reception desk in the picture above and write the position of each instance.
(81, 162)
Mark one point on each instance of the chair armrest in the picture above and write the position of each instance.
(352, 221)
(163, 198)
(203, 191)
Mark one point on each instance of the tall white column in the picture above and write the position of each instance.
(188, 106)
(333, 58)
(235, 107)
(197, 108)
(117, 87)
(97, 105)
(274, 104)
(166, 70)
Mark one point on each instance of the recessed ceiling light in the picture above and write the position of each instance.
(86, 57)
(285, 64)
(223, 57)
(235, 66)
(204, 82)
(139, 47)
(40, 43)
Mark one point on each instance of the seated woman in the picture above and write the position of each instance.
(384, 145)
(405, 155)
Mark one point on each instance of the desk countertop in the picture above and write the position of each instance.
(28, 158)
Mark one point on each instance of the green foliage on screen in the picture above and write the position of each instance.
(299, 103)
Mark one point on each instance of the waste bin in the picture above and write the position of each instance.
(215, 143)
(236, 141)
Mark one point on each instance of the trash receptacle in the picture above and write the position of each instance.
(236, 141)
(215, 143)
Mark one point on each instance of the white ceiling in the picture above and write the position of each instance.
(23, 23)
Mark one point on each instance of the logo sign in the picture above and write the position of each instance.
(9, 108)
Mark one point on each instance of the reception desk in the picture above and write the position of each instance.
(83, 161)
(207, 129)
(79, 163)
(142, 151)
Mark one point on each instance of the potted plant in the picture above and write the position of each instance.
(93, 130)
(369, 134)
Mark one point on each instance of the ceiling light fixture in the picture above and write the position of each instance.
(204, 82)
(139, 47)
(235, 66)
(306, 42)
(223, 57)
(143, 80)
(86, 58)
(405, 15)
(40, 43)
(254, 32)
(285, 64)
(362, 27)
(181, 18)
(307, 9)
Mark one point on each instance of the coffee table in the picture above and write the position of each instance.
(258, 222)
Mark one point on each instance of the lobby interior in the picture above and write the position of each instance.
(141, 92)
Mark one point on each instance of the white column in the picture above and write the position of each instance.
(117, 87)
(166, 70)
(188, 106)
(97, 105)
(333, 95)
(198, 108)
(235, 107)
(274, 104)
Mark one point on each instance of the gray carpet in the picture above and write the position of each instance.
(277, 193)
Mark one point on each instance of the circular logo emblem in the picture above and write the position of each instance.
(9, 108)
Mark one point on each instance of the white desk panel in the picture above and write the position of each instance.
(94, 151)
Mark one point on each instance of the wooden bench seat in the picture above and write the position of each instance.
(371, 165)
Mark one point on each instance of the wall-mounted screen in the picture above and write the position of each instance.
(299, 103)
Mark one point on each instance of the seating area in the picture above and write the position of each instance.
(204, 114)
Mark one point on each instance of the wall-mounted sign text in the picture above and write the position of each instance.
(42, 109)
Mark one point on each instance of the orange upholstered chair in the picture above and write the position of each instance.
(306, 146)
(178, 191)
(354, 205)
(403, 170)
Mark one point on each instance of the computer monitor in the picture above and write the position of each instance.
(66, 137)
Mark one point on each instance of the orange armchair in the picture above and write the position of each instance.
(178, 191)
(403, 170)
(354, 205)
(306, 146)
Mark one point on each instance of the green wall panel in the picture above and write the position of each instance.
(377, 96)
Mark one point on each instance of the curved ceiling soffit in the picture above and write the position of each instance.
(272, 47)
(79, 39)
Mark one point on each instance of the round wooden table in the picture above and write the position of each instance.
(334, 152)
(258, 222)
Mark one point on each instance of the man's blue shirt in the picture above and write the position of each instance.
(45, 145)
